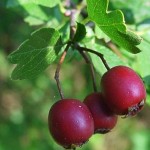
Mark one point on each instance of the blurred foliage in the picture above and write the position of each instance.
(24, 104)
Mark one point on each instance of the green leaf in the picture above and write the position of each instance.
(80, 32)
(36, 53)
(147, 80)
(89, 35)
(142, 60)
(36, 11)
(33, 11)
(65, 30)
(100, 34)
(38, 15)
(113, 25)
(139, 11)
(47, 3)
(33, 21)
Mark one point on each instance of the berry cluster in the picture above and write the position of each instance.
(72, 122)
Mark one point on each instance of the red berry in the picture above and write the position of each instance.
(123, 90)
(70, 123)
(104, 119)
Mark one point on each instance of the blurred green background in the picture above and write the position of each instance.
(24, 105)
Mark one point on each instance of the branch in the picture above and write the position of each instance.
(91, 69)
(58, 70)
(72, 23)
(72, 14)
(94, 52)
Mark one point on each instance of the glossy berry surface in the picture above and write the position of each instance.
(123, 90)
(104, 119)
(70, 123)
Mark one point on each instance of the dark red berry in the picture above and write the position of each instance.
(123, 90)
(104, 119)
(70, 123)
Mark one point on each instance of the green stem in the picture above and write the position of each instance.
(87, 60)
(58, 70)
(94, 52)
(85, 21)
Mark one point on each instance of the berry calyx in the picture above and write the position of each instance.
(70, 123)
(104, 119)
(123, 91)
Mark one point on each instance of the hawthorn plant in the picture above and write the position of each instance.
(100, 36)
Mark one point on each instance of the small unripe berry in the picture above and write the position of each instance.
(123, 91)
(104, 119)
(70, 123)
